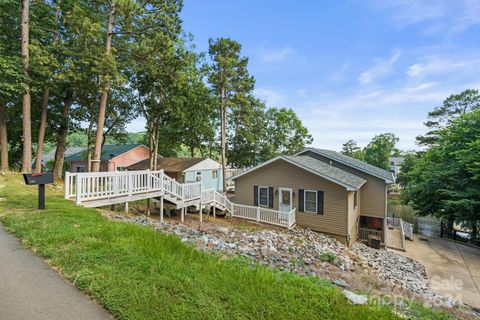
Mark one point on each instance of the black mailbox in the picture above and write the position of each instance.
(40, 179)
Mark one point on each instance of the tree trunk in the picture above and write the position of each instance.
(41, 130)
(62, 136)
(153, 145)
(3, 138)
(223, 121)
(27, 134)
(89, 145)
(103, 97)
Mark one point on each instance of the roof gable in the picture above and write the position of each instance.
(206, 164)
(348, 180)
(168, 164)
(353, 163)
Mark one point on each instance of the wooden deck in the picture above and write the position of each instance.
(98, 189)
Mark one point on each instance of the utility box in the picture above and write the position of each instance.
(40, 179)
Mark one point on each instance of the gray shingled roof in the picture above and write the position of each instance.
(356, 164)
(328, 171)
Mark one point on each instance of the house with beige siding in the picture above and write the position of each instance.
(330, 192)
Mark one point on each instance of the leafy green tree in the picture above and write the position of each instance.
(444, 181)
(158, 60)
(11, 77)
(380, 149)
(409, 161)
(228, 77)
(351, 149)
(452, 107)
(284, 133)
(246, 131)
(198, 112)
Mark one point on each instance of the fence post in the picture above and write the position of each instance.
(78, 188)
(258, 214)
(130, 182)
(149, 180)
(162, 188)
(67, 184)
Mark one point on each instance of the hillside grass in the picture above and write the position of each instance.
(137, 273)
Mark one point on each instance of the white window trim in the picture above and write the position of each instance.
(268, 196)
(305, 201)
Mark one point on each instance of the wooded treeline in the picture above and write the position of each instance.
(93, 66)
(444, 180)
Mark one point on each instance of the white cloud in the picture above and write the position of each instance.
(275, 55)
(271, 96)
(438, 16)
(435, 65)
(340, 75)
(407, 12)
(381, 68)
(334, 119)
(302, 93)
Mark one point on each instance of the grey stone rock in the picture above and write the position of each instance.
(355, 298)
(340, 283)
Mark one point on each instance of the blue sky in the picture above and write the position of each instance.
(350, 69)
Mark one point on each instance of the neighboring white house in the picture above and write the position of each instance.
(395, 165)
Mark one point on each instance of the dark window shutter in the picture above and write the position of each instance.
(320, 202)
(300, 200)
(255, 195)
(270, 197)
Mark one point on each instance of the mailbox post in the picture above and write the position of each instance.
(40, 179)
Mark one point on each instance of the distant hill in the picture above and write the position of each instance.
(79, 139)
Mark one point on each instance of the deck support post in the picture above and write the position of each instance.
(126, 207)
(201, 212)
(214, 209)
(67, 184)
(161, 209)
(183, 214)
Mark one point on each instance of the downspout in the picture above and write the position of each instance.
(385, 216)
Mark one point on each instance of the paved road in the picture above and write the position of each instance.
(30, 289)
(452, 268)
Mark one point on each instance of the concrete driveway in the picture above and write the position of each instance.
(30, 289)
(452, 268)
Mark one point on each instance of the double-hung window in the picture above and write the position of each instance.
(311, 201)
(263, 196)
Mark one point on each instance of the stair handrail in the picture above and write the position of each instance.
(171, 186)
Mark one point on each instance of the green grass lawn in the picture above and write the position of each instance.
(137, 273)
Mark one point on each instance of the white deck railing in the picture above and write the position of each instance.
(259, 214)
(87, 186)
(405, 227)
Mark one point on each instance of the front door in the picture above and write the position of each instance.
(285, 199)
